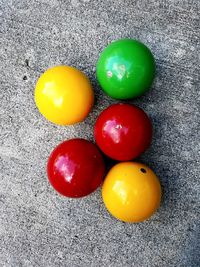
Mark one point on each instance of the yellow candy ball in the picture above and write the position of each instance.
(131, 192)
(64, 95)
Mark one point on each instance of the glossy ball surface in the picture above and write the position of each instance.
(64, 95)
(125, 69)
(123, 131)
(131, 192)
(75, 168)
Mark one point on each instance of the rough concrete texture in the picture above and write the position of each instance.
(38, 227)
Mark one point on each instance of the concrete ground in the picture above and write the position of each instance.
(38, 227)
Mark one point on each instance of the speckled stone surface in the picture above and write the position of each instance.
(37, 226)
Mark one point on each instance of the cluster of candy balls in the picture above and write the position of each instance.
(64, 95)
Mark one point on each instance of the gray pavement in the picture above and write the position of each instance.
(37, 226)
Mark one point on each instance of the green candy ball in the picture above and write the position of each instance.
(125, 69)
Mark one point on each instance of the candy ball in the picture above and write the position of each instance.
(123, 131)
(64, 95)
(131, 192)
(125, 69)
(75, 168)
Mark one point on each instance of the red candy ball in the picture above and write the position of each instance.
(123, 131)
(75, 168)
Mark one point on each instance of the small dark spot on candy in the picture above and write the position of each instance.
(25, 78)
(143, 170)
